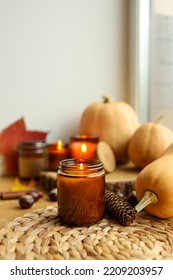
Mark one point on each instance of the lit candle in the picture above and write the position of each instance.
(83, 146)
(56, 153)
(81, 185)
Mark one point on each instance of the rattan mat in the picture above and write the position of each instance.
(39, 235)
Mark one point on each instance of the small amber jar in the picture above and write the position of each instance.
(81, 187)
(56, 153)
(32, 158)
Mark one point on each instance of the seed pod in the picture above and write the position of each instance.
(119, 208)
(53, 194)
(36, 195)
(26, 201)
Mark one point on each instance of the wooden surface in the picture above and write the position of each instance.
(10, 209)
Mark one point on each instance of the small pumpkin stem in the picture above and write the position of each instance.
(159, 119)
(148, 198)
(107, 99)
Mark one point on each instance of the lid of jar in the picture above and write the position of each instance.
(32, 145)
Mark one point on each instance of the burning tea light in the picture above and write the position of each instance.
(81, 185)
(56, 153)
(81, 166)
(83, 146)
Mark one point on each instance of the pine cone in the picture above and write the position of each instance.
(119, 208)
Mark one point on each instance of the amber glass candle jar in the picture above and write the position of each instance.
(56, 153)
(83, 146)
(81, 187)
(32, 158)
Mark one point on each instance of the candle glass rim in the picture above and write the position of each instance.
(71, 166)
(83, 137)
(52, 146)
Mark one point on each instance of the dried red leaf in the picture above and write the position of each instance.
(9, 140)
(11, 134)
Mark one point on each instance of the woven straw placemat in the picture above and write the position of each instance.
(39, 235)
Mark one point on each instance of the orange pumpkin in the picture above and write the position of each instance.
(154, 189)
(148, 143)
(114, 123)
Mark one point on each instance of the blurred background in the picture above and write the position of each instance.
(58, 56)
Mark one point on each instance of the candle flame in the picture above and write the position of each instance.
(81, 166)
(83, 148)
(59, 145)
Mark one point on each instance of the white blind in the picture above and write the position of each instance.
(161, 90)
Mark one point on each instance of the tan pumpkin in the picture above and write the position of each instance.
(114, 122)
(154, 186)
(148, 143)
